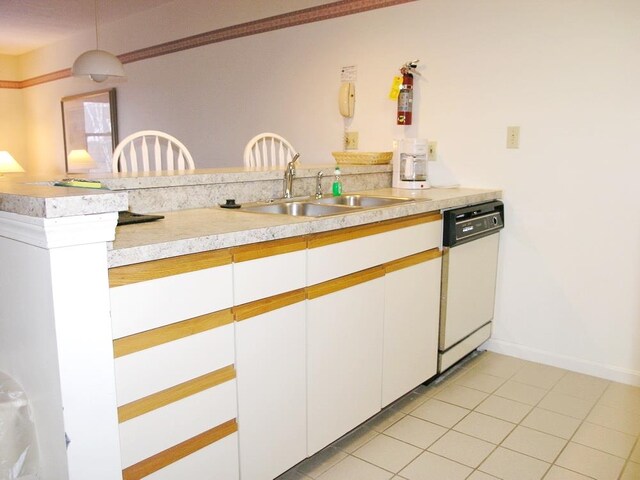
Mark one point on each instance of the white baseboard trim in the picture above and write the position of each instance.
(609, 372)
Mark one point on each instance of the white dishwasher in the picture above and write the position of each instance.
(469, 269)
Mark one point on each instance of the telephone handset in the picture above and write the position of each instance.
(347, 99)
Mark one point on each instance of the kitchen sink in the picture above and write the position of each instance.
(301, 209)
(364, 201)
(323, 207)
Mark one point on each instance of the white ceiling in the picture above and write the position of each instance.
(29, 24)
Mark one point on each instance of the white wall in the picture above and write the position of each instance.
(565, 71)
(12, 123)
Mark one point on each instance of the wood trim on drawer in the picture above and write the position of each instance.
(264, 305)
(152, 338)
(166, 267)
(171, 455)
(173, 394)
(337, 284)
(253, 251)
(412, 260)
(335, 236)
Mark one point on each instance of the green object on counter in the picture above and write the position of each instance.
(79, 182)
(336, 187)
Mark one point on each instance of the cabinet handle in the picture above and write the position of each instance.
(412, 260)
(171, 455)
(337, 284)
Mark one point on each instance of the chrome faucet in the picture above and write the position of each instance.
(319, 184)
(289, 173)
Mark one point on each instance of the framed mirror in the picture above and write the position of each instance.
(89, 124)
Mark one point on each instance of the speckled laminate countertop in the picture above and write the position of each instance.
(192, 224)
(196, 230)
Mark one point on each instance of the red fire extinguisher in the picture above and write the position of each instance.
(405, 97)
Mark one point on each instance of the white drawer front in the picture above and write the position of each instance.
(145, 305)
(338, 259)
(268, 276)
(155, 431)
(154, 369)
(218, 461)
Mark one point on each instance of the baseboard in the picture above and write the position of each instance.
(609, 372)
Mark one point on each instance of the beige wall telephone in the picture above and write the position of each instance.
(347, 99)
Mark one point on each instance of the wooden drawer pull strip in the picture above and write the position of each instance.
(167, 457)
(264, 305)
(158, 336)
(173, 394)
(412, 260)
(337, 284)
(142, 272)
(335, 236)
(267, 249)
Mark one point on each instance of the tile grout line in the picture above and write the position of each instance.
(551, 464)
(519, 424)
(576, 431)
(510, 432)
(473, 365)
(636, 444)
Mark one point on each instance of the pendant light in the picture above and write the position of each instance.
(97, 64)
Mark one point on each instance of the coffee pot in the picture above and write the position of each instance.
(410, 164)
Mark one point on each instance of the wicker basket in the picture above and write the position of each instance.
(362, 158)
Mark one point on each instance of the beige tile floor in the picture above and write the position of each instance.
(493, 417)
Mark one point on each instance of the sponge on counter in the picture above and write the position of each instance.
(79, 182)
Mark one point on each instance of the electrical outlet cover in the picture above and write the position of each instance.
(351, 140)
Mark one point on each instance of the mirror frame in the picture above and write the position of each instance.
(69, 106)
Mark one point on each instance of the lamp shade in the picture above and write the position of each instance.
(8, 164)
(97, 64)
(80, 160)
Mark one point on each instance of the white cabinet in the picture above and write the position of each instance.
(411, 311)
(270, 346)
(349, 300)
(214, 462)
(272, 413)
(269, 268)
(344, 334)
(336, 253)
(152, 294)
(241, 362)
(175, 378)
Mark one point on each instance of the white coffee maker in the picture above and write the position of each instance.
(410, 164)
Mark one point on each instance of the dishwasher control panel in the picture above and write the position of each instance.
(475, 221)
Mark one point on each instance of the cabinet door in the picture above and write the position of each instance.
(271, 376)
(412, 305)
(344, 331)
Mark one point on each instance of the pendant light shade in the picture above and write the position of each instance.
(97, 64)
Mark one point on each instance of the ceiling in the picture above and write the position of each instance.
(29, 24)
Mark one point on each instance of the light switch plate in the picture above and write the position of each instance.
(432, 154)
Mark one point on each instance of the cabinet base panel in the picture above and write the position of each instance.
(451, 356)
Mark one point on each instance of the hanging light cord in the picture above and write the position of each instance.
(95, 13)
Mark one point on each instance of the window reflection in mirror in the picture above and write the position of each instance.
(90, 131)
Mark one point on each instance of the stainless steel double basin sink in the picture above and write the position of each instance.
(323, 207)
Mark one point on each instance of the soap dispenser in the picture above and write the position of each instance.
(336, 188)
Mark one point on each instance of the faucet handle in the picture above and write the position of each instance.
(319, 184)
